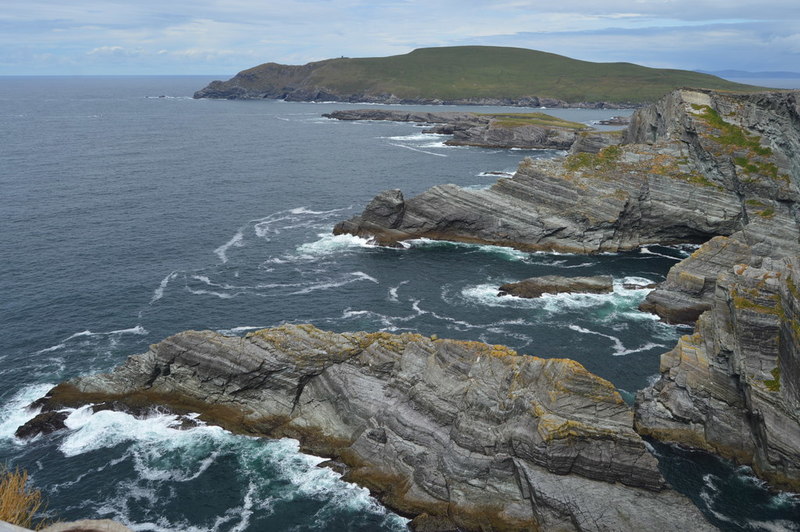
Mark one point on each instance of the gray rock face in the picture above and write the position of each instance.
(619, 199)
(698, 166)
(459, 434)
(555, 284)
(733, 387)
(473, 129)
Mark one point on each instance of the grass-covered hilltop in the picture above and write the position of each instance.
(464, 74)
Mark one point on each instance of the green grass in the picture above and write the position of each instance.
(532, 119)
(774, 384)
(602, 160)
(449, 73)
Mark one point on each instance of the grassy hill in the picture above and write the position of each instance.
(452, 73)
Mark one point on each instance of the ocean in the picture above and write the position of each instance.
(130, 212)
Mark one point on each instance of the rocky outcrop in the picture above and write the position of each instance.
(618, 199)
(452, 433)
(733, 387)
(699, 166)
(523, 130)
(554, 284)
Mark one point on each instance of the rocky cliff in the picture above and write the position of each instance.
(697, 165)
(700, 166)
(733, 387)
(452, 433)
(512, 130)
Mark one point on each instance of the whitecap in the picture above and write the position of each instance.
(326, 285)
(418, 150)
(619, 347)
(329, 243)
(645, 250)
(221, 295)
(236, 240)
(235, 331)
(502, 251)
(158, 293)
(16, 411)
(393, 292)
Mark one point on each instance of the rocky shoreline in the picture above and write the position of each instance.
(234, 90)
(454, 434)
(472, 436)
(522, 130)
(697, 167)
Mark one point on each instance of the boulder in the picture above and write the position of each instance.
(554, 284)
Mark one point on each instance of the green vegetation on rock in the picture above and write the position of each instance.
(602, 160)
(774, 384)
(473, 72)
(532, 119)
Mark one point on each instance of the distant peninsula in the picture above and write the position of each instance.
(464, 75)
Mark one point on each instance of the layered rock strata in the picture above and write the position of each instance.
(483, 130)
(455, 434)
(733, 387)
(699, 166)
(554, 284)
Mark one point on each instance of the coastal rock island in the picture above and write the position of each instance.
(699, 166)
(463, 75)
(488, 130)
(455, 434)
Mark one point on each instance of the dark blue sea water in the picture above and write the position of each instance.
(129, 212)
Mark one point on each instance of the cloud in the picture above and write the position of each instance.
(224, 36)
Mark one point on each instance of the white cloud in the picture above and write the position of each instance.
(230, 35)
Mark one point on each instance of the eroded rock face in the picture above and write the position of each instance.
(733, 386)
(459, 434)
(618, 199)
(697, 165)
(556, 284)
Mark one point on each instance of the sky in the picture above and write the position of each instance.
(222, 37)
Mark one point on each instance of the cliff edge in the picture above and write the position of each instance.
(451, 433)
(712, 168)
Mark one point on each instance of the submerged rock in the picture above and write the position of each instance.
(556, 284)
(452, 433)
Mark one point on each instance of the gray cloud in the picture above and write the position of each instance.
(224, 36)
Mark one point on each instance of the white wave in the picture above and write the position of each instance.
(645, 250)
(236, 240)
(709, 493)
(162, 453)
(138, 329)
(326, 285)
(619, 348)
(417, 149)
(158, 293)
(15, 412)
(329, 243)
(503, 251)
(496, 174)
(393, 292)
(416, 137)
(235, 331)
(221, 295)
(780, 525)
